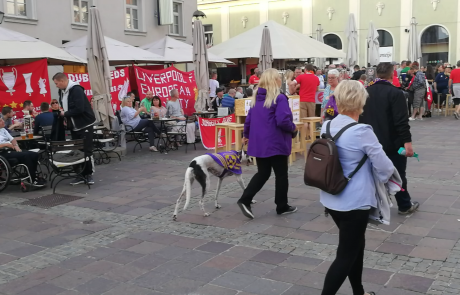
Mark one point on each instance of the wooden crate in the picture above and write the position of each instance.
(240, 106)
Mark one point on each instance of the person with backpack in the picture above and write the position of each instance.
(268, 130)
(350, 198)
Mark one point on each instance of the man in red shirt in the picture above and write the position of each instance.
(309, 84)
(254, 79)
(454, 85)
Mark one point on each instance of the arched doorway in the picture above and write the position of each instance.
(435, 45)
(334, 41)
(386, 46)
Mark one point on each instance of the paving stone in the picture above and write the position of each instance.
(124, 243)
(180, 286)
(124, 273)
(4, 258)
(196, 257)
(215, 290)
(285, 274)
(242, 252)
(152, 279)
(232, 280)
(123, 257)
(202, 273)
(148, 262)
(146, 248)
(96, 286)
(430, 253)
(302, 290)
(412, 283)
(125, 289)
(395, 248)
(223, 262)
(42, 289)
(304, 263)
(270, 257)
(254, 268)
(312, 280)
(215, 247)
(267, 287)
(99, 267)
(71, 279)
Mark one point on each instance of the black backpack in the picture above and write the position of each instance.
(323, 169)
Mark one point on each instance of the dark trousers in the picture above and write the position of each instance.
(30, 159)
(86, 134)
(402, 198)
(149, 127)
(350, 252)
(264, 170)
(410, 102)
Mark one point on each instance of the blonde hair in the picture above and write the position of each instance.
(289, 75)
(123, 102)
(350, 96)
(268, 81)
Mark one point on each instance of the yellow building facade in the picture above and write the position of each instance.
(438, 23)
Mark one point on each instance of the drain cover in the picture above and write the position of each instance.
(50, 200)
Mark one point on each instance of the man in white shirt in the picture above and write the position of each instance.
(174, 111)
(213, 85)
(239, 93)
(30, 159)
(319, 74)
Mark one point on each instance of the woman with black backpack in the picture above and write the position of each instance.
(350, 207)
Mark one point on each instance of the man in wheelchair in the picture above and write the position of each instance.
(10, 150)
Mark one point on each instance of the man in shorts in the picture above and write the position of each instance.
(454, 85)
(309, 85)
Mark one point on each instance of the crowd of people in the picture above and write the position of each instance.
(382, 105)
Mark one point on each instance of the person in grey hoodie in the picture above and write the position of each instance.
(79, 117)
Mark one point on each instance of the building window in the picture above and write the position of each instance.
(208, 35)
(176, 27)
(435, 45)
(80, 11)
(333, 40)
(385, 39)
(16, 8)
(132, 14)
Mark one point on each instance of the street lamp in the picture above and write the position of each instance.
(2, 15)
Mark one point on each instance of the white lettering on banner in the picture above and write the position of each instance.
(211, 123)
(79, 77)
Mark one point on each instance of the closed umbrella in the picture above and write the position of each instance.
(200, 60)
(352, 37)
(98, 69)
(266, 52)
(414, 50)
(320, 62)
(373, 55)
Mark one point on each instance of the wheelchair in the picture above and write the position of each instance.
(11, 172)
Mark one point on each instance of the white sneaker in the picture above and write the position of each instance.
(411, 119)
(153, 149)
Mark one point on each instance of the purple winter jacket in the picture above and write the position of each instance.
(269, 130)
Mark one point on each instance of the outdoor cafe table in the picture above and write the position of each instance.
(25, 143)
(163, 129)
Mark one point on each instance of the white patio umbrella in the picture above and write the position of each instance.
(320, 62)
(373, 55)
(17, 48)
(352, 37)
(414, 50)
(200, 60)
(247, 44)
(266, 52)
(119, 53)
(177, 51)
(99, 69)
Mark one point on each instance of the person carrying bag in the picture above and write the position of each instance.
(346, 161)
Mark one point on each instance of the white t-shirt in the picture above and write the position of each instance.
(5, 136)
(321, 81)
(213, 85)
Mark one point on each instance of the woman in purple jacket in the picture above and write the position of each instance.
(268, 131)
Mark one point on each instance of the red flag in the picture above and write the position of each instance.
(24, 82)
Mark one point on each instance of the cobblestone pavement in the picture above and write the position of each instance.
(120, 238)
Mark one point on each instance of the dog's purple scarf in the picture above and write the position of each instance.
(229, 160)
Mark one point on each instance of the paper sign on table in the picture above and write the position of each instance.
(290, 103)
(296, 116)
(296, 104)
(247, 106)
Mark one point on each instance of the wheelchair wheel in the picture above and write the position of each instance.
(5, 173)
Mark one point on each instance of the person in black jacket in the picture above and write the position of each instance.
(357, 73)
(79, 117)
(386, 111)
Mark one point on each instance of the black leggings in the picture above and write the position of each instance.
(350, 252)
(264, 169)
(149, 127)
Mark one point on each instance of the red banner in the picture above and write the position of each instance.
(120, 85)
(161, 82)
(208, 131)
(24, 82)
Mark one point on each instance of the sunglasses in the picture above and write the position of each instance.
(54, 102)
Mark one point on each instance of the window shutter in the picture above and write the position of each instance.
(165, 15)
